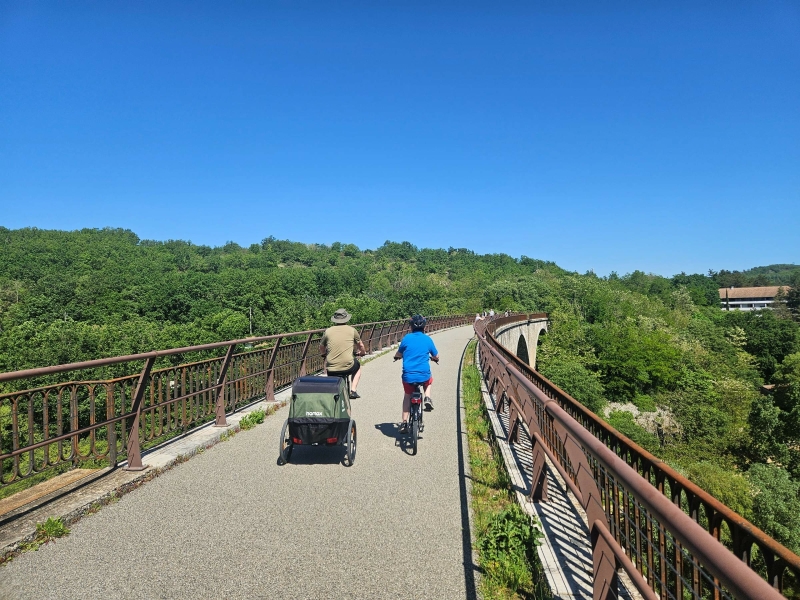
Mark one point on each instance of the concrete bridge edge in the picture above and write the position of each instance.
(509, 337)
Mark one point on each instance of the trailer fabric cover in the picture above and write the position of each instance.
(319, 411)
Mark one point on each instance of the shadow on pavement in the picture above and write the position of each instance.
(401, 440)
(316, 455)
(388, 429)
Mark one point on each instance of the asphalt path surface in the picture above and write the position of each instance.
(232, 523)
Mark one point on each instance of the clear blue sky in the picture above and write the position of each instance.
(661, 136)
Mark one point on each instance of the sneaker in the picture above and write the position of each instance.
(354, 395)
(403, 427)
(428, 403)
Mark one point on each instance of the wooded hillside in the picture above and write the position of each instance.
(655, 355)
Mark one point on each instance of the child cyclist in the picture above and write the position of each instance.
(415, 349)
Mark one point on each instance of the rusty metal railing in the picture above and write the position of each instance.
(644, 517)
(65, 423)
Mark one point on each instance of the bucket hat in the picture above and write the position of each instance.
(341, 316)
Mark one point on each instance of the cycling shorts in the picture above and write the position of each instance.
(409, 389)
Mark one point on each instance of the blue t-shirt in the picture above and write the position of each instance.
(416, 347)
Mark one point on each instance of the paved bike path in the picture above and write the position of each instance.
(231, 523)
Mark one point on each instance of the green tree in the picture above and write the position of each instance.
(793, 295)
(776, 504)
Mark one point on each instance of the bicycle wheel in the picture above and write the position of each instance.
(350, 445)
(414, 435)
(285, 445)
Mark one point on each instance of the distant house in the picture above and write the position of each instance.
(749, 298)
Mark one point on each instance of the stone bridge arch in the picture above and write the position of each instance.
(522, 338)
(522, 349)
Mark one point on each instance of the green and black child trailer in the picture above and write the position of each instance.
(319, 415)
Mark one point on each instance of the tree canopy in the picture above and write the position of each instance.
(653, 355)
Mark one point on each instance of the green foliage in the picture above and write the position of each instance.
(793, 295)
(775, 419)
(635, 357)
(644, 403)
(767, 337)
(252, 419)
(625, 423)
(507, 546)
(724, 483)
(52, 528)
(77, 295)
(776, 504)
(575, 379)
(787, 390)
(704, 426)
(654, 341)
(782, 274)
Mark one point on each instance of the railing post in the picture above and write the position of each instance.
(538, 472)
(111, 432)
(369, 341)
(270, 391)
(134, 447)
(305, 353)
(221, 421)
(380, 337)
(73, 422)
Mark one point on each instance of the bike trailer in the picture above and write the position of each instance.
(319, 411)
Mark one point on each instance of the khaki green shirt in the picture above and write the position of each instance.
(340, 340)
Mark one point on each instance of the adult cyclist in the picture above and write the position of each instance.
(337, 345)
(415, 350)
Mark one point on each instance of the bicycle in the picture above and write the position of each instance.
(416, 425)
(347, 378)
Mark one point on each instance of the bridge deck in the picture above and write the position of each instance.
(232, 523)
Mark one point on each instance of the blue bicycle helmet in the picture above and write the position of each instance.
(418, 323)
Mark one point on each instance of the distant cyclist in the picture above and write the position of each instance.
(337, 347)
(415, 349)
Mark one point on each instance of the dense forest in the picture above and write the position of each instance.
(655, 356)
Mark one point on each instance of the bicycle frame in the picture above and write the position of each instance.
(416, 404)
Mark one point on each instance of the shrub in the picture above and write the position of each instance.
(644, 403)
(507, 547)
(575, 379)
(252, 419)
(52, 528)
(776, 506)
(624, 422)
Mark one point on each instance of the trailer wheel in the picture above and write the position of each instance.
(286, 445)
(350, 444)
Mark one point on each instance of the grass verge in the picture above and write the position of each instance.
(505, 536)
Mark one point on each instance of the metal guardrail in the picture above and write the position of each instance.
(66, 423)
(644, 517)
